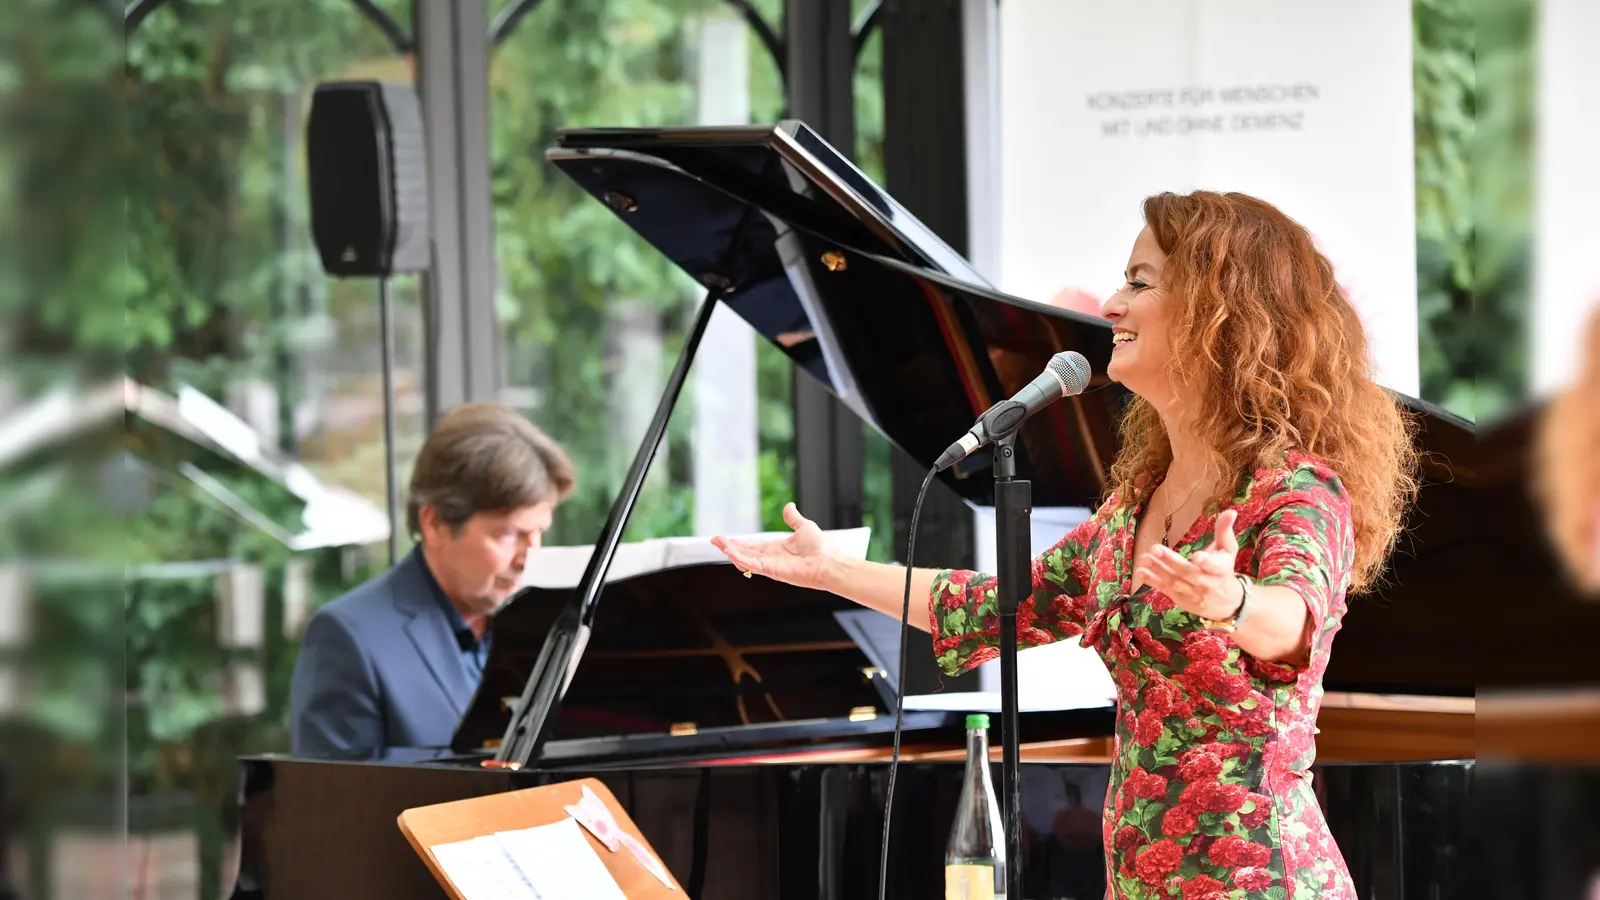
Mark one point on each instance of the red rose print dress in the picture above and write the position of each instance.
(1210, 795)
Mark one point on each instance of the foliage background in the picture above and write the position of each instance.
(1473, 83)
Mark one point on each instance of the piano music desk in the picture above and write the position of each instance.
(460, 820)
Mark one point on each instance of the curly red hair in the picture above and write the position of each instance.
(1569, 466)
(1276, 359)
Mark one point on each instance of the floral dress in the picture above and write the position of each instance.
(1210, 795)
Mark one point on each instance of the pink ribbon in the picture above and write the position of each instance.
(593, 814)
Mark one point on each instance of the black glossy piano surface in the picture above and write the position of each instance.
(787, 831)
(825, 265)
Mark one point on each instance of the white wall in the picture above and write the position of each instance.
(1304, 103)
(1567, 232)
(727, 483)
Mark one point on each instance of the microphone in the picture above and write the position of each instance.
(1066, 376)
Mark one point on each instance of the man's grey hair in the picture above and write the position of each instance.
(484, 457)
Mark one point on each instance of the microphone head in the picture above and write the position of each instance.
(1072, 369)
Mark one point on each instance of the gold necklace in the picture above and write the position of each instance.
(1166, 531)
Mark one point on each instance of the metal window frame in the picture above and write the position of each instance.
(927, 163)
(463, 334)
(830, 447)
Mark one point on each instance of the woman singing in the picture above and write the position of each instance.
(1262, 475)
(1569, 470)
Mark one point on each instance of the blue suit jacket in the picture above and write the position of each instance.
(378, 668)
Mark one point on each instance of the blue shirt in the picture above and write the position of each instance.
(474, 651)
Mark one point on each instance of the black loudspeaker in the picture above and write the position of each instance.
(369, 180)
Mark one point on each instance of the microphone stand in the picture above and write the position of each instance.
(1013, 506)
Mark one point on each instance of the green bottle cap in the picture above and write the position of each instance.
(977, 720)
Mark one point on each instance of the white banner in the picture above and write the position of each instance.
(1306, 104)
(1567, 231)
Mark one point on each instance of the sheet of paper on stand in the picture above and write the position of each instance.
(481, 870)
(591, 813)
(1055, 676)
(558, 861)
(562, 567)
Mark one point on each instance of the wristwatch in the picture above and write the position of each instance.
(1230, 624)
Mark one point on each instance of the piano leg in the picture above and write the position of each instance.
(1537, 832)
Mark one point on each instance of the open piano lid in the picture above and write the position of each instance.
(856, 292)
(865, 299)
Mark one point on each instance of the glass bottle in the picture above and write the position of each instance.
(975, 861)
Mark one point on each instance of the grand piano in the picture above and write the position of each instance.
(746, 725)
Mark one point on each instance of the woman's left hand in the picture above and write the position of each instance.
(1203, 584)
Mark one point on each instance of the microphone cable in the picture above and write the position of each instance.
(1070, 368)
(900, 686)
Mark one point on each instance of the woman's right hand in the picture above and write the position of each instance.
(804, 558)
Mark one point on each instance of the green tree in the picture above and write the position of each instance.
(570, 270)
(1474, 103)
(155, 227)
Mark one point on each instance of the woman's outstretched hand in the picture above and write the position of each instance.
(803, 558)
(1204, 583)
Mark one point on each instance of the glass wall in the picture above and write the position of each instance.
(229, 298)
(877, 491)
(592, 317)
(222, 481)
(1474, 107)
(242, 414)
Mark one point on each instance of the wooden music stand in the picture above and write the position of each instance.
(461, 820)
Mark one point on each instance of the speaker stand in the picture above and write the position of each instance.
(386, 328)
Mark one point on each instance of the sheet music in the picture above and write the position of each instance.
(1055, 676)
(549, 862)
(559, 862)
(562, 567)
(481, 869)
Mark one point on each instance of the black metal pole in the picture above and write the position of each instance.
(564, 643)
(1013, 507)
(386, 327)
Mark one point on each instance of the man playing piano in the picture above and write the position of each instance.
(395, 662)
(1262, 475)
